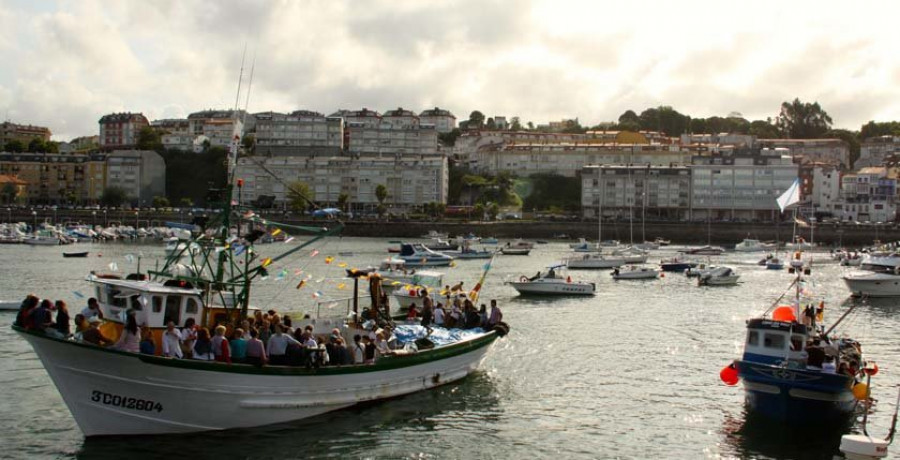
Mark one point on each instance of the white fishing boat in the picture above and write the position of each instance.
(395, 275)
(751, 245)
(718, 276)
(593, 261)
(698, 271)
(41, 240)
(552, 282)
(878, 276)
(417, 255)
(633, 272)
(519, 243)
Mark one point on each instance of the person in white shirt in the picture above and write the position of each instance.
(439, 315)
(381, 345)
(92, 309)
(277, 346)
(171, 342)
(357, 350)
(188, 337)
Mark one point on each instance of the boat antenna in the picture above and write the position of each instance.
(249, 85)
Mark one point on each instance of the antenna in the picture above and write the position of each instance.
(249, 85)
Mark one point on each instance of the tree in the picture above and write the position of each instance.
(186, 202)
(493, 210)
(381, 209)
(476, 120)
(113, 196)
(515, 124)
(381, 193)
(530, 126)
(630, 117)
(160, 202)
(14, 145)
(478, 211)
(9, 193)
(764, 129)
(449, 139)
(249, 144)
(300, 196)
(149, 139)
(802, 120)
(491, 125)
(875, 129)
(342, 201)
(36, 145)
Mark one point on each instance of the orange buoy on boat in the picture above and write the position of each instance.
(784, 313)
(729, 375)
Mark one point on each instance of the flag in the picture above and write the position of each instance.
(342, 265)
(473, 294)
(329, 259)
(266, 262)
(276, 232)
(341, 286)
(790, 196)
(301, 284)
(129, 257)
(314, 253)
(801, 222)
(288, 239)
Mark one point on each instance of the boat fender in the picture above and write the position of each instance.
(523, 279)
(109, 277)
(501, 329)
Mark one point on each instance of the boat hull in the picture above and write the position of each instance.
(873, 285)
(553, 289)
(115, 393)
(677, 266)
(796, 395)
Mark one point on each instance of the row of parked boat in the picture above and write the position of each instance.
(46, 234)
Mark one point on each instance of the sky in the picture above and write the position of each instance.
(67, 63)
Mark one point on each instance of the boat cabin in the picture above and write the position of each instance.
(774, 342)
(154, 303)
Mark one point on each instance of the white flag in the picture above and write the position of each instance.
(790, 196)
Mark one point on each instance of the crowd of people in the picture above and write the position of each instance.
(263, 338)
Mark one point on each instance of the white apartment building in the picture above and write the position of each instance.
(300, 132)
(366, 117)
(385, 138)
(826, 188)
(217, 126)
(834, 151)
(175, 133)
(410, 181)
(442, 119)
(868, 195)
(739, 187)
(401, 118)
(141, 173)
(875, 150)
(568, 159)
(619, 190)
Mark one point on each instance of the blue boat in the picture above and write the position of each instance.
(676, 265)
(794, 372)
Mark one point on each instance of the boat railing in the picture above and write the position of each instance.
(333, 308)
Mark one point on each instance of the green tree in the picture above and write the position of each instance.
(515, 124)
(476, 120)
(875, 129)
(342, 201)
(186, 202)
(802, 120)
(149, 139)
(113, 196)
(449, 139)
(491, 125)
(300, 196)
(14, 145)
(249, 144)
(36, 145)
(630, 117)
(530, 126)
(381, 193)
(478, 211)
(8, 192)
(381, 209)
(160, 202)
(764, 129)
(493, 210)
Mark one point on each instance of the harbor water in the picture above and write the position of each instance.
(632, 372)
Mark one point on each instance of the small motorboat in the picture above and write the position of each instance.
(552, 282)
(75, 254)
(593, 261)
(698, 271)
(633, 272)
(541, 241)
(774, 264)
(705, 251)
(676, 264)
(509, 251)
(662, 241)
(489, 240)
(719, 276)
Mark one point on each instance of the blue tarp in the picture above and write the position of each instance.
(439, 335)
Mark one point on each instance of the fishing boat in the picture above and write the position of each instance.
(877, 276)
(593, 261)
(468, 252)
(793, 369)
(718, 276)
(417, 255)
(751, 245)
(699, 270)
(395, 274)
(662, 241)
(552, 282)
(441, 245)
(113, 392)
(434, 234)
(75, 254)
(633, 272)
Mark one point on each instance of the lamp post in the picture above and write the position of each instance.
(105, 219)
(93, 219)
(136, 220)
(34, 216)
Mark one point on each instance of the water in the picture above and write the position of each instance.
(630, 373)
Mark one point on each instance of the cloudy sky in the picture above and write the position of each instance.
(67, 63)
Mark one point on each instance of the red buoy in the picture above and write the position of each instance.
(729, 375)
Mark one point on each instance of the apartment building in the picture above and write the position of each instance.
(175, 133)
(121, 130)
(22, 133)
(57, 178)
(874, 151)
(141, 173)
(739, 186)
(832, 151)
(218, 126)
(622, 190)
(442, 120)
(301, 132)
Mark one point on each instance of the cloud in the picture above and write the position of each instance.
(540, 60)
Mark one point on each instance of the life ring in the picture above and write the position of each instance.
(523, 279)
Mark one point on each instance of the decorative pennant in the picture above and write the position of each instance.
(341, 286)
(329, 259)
(289, 239)
(276, 232)
(301, 284)
(314, 253)
(342, 265)
(266, 262)
(113, 266)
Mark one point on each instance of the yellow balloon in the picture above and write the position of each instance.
(861, 391)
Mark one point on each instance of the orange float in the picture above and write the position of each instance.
(784, 313)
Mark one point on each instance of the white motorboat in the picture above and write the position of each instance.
(10, 305)
(434, 234)
(515, 251)
(698, 271)
(878, 276)
(633, 272)
(705, 251)
(41, 240)
(417, 255)
(593, 261)
(552, 282)
(396, 275)
(582, 243)
(174, 246)
(466, 251)
(519, 243)
(648, 246)
(750, 245)
(718, 276)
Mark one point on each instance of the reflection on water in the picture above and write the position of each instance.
(366, 430)
(882, 306)
(751, 436)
